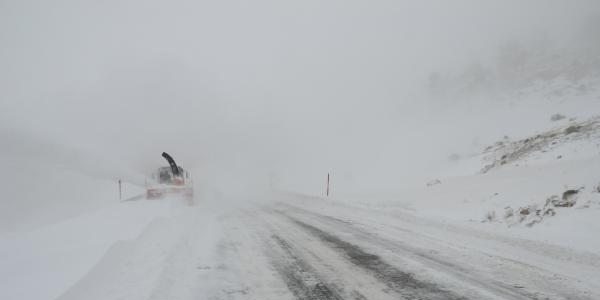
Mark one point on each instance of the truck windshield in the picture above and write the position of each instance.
(165, 176)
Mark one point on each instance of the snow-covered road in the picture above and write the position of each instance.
(309, 248)
(307, 254)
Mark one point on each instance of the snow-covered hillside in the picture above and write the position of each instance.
(538, 179)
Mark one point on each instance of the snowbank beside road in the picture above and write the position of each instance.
(158, 264)
(471, 199)
(43, 263)
(38, 193)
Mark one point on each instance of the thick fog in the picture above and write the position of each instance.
(254, 94)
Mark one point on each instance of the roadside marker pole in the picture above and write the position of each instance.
(120, 198)
(327, 184)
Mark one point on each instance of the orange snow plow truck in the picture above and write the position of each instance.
(171, 180)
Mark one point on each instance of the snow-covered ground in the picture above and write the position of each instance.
(56, 256)
(286, 246)
(428, 243)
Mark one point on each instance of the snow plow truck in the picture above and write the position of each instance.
(171, 180)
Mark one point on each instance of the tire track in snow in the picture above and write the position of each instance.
(299, 276)
(494, 287)
(297, 254)
(403, 283)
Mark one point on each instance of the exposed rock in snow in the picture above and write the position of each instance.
(434, 182)
(572, 129)
(556, 117)
(516, 152)
(569, 199)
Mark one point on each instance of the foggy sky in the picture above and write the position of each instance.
(236, 90)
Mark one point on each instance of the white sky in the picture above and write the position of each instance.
(238, 89)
